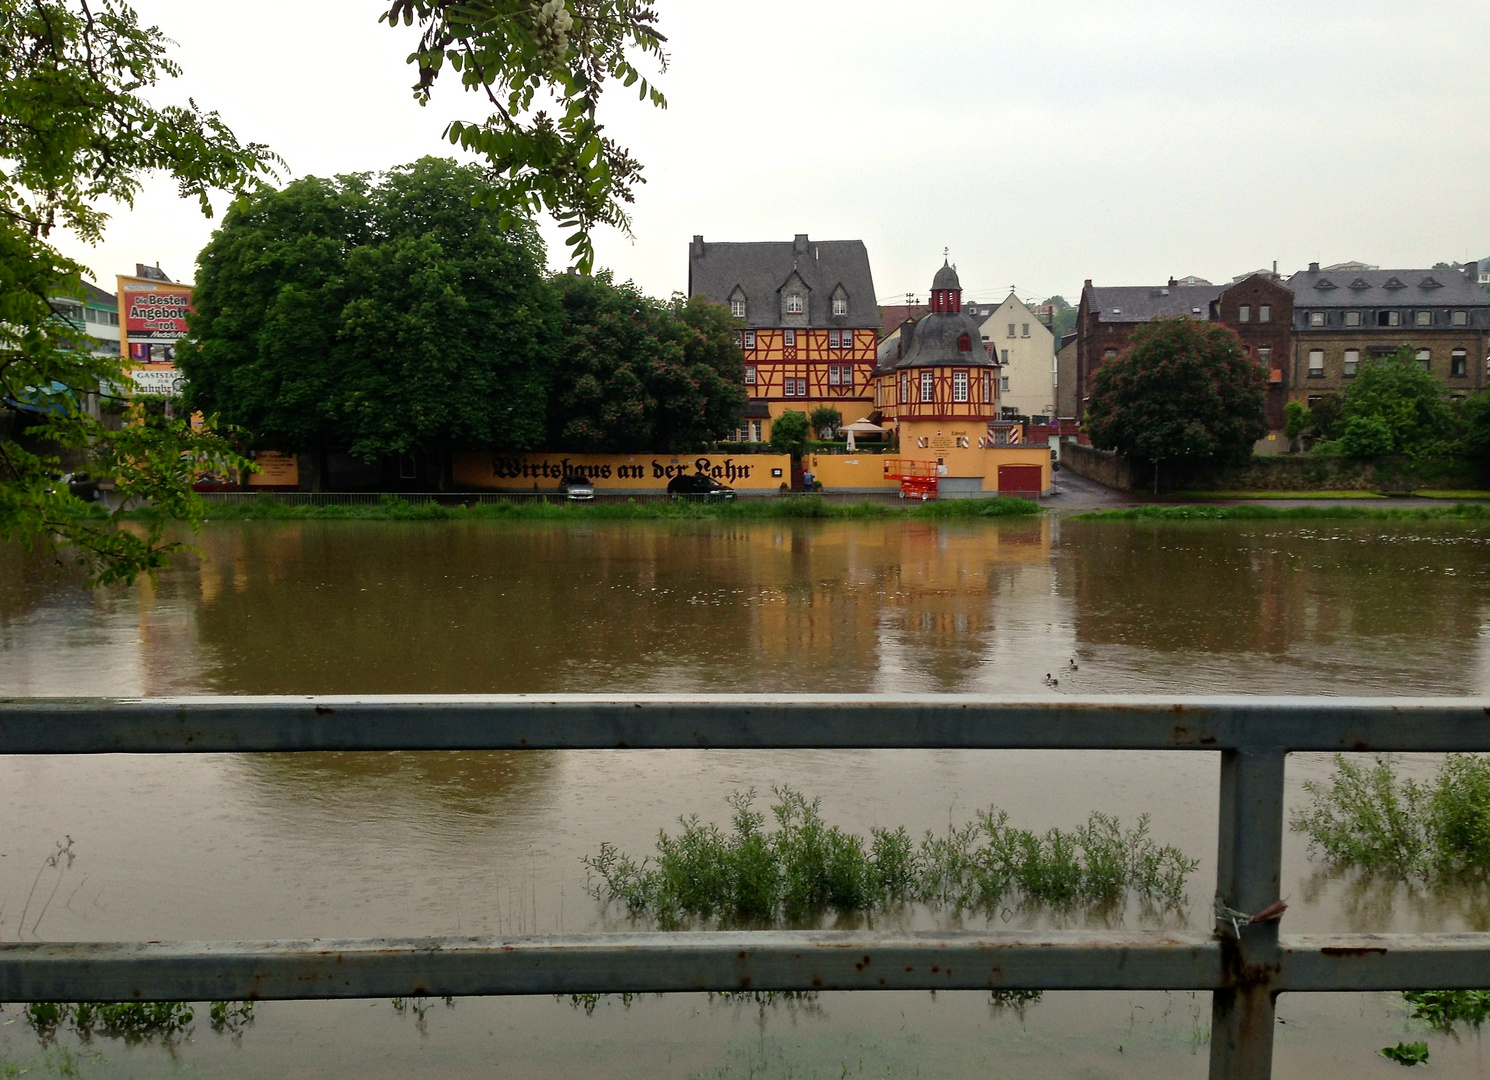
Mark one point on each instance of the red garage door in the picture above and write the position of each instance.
(1020, 480)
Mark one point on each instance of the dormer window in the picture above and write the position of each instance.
(1461, 318)
(736, 308)
(1316, 318)
(964, 343)
(840, 305)
(1424, 318)
(794, 303)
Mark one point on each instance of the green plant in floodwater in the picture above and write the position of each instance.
(1374, 820)
(1445, 1008)
(1406, 1053)
(231, 1016)
(803, 867)
(133, 1021)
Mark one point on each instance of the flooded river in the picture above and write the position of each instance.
(249, 846)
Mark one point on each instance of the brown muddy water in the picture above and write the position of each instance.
(351, 845)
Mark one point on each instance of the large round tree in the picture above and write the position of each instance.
(1183, 391)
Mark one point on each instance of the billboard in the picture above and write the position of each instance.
(153, 312)
(160, 381)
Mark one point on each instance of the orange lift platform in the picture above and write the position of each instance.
(917, 478)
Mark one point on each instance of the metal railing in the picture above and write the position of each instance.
(1245, 964)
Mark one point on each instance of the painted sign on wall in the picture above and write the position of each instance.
(631, 472)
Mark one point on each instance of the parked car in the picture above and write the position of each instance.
(577, 488)
(699, 486)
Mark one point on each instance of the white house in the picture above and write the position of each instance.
(1026, 349)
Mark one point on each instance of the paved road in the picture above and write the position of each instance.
(1078, 493)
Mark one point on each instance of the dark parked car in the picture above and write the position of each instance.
(699, 486)
(577, 488)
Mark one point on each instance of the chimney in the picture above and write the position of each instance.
(1088, 284)
(799, 245)
(1314, 268)
(1172, 283)
(696, 249)
(1275, 269)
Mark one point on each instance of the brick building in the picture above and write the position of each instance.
(809, 323)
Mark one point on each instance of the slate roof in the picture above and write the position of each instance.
(1385, 288)
(97, 297)
(934, 343)
(760, 269)
(1140, 303)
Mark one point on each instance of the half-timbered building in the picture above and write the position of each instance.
(808, 323)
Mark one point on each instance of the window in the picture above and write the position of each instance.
(965, 343)
(750, 339)
(1352, 359)
(1004, 383)
(847, 339)
(848, 375)
(1425, 358)
(1461, 318)
(1424, 318)
(1316, 318)
(1003, 356)
(833, 375)
(755, 431)
(1107, 355)
(1244, 313)
(903, 386)
(928, 386)
(959, 386)
(1316, 363)
(737, 308)
(789, 338)
(1024, 329)
(1265, 313)
(987, 387)
(794, 388)
(739, 340)
(840, 305)
(794, 303)
(1264, 355)
(749, 374)
(1458, 363)
(1011, 329)
(1388, 318)
(832, 339)
(1352, 318)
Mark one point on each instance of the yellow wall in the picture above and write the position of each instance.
(618, 472)
(1017, 455)
(838, 472)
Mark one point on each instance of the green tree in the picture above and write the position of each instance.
(1393, 394)
(1182, 391)
(1324, 415)
(826, 420)
(633, 373)
(379, 318)
(1297, 419)
(1474, 417)
(789, 433)
(518, 53)
(79, 129)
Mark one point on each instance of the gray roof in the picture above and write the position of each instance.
(1140, 303)
(759, 270)
(97, 297)
(1385, 288)
(946, 277)
(934, 343)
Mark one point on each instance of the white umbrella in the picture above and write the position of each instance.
(863, 427)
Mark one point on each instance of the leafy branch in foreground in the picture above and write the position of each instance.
(512, 51)
(1373, 820)
(76, 129)
(804, 866)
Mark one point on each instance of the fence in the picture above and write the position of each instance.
(1244, 963)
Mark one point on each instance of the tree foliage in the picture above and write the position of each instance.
(518, 53)
(633, 373)
(826, 420)
(79, 127)
(789, 433)
(1393, 406)
(1183, 390)
(379, 317)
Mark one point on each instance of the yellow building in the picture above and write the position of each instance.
(809, 323)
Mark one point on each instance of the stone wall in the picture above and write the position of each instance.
(1103, 466)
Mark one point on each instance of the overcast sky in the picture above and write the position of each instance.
(1041, 143)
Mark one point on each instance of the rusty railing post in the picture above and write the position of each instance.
(1249, 865)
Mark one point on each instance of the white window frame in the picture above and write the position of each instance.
(959, 387)
(1264, 312)
(904, 388)
(846, 339)
(794, 303)
(1244, 313)
(789, 339)
(987, 386)
(749, 339)
(840, 305)
(1352, 362)
(848, 376)
(832, 374)
(1316, 363)
(749, 374)
(928, 386)
(737, 308)
(1459, 364)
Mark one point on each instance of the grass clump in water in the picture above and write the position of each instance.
(1251, 512)
(1373, 820)
(1445, 1008)
(803, 867)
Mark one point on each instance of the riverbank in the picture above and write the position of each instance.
(393, 508)
(1253, 512)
